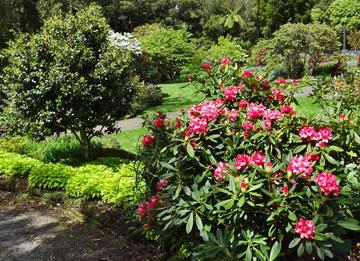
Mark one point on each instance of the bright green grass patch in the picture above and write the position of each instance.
(125, 140)
(307, 107)
(178, 95)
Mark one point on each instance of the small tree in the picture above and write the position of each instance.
(298, 45)
(70, 77)
(344, 13)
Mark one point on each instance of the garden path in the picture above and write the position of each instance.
(135, 123)
(38, 232)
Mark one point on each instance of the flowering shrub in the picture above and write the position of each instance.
(246, 178)
(125, 41)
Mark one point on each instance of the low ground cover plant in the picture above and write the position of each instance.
(242, 176)
(95, 180)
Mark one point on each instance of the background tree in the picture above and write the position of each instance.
(274, 13)
(69, 77)
(298, 47)
(344, 13)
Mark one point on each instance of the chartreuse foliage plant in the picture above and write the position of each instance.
(241, 176)
(94, 180)
(70, 77)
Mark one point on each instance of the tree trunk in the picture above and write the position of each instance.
(85, 144)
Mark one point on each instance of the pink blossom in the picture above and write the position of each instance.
(327, 183)
(225, 61)
(248, 125)
(342, 117)
(148, 140)
(282, 82)
(286, 109)
(153, 201)
(301, 165)
(272, 114)
(258, 158)
(231, 93)
(221, 170)
(207, 110)
(243, 104)
(323, 136)
(308, 133)
(278, 94)
(233, 114)
(198, 126)
(142, 209)
(247, 74)
(161, 184)
(305, 228)
(158, 123)
(285, 189)
(243, 186)
(207, 67)
(267, 124)
(255, 111)
(241, 161)
(219, 102)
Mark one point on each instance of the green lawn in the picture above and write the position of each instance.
(181, 95)
(307, 107)
(178, 95)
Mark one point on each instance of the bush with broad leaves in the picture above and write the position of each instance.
(241, 176)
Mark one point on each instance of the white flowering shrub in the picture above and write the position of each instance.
(125, 41)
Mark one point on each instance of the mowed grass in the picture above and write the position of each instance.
(178, 95)
(183, 95)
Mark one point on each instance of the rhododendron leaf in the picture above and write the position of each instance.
(190, 223)
(356, 137)
(330, 159)
(292, 216)
(177, 192)
(333, 148)
(320, 253)
(187, 190)
(300, 250)
(241, 202)
(294, 242)
(299, 149)
(308, 247)
(190, 150)
(252, 188)
(199, 223)
(275, 251)
(351, 224)
(167, 166)
(352, 154)
(248, 255)
(328, 253)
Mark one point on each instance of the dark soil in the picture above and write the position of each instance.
(32, 229)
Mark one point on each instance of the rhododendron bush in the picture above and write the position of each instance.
(242, 176)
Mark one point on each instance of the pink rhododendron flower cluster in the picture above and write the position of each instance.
(148, 140)
(301, 165)
(145, 207)
(198, 126)
(258, 158)
(225, 61)
(255, 111)
(231, 92)
(207, 110)
(241, 161)
(243, 104)
(232, 115)
(161, 184)
(221, 170)
(328, 184)
(272, 114)
(278, 95)
(322, 136)
(305, 228)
